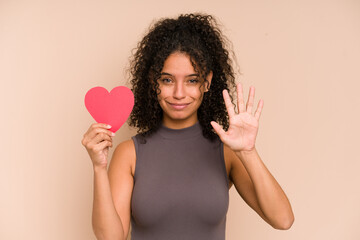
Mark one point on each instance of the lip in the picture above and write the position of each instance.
(178, 106)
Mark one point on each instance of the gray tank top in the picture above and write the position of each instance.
(180, 186)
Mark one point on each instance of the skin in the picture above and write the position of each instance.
(245, 169)
(180, 84)
(252, 179)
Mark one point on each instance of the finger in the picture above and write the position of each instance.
(99, 125)
(96, 136)
(102, 145)
(90, 132)
(101, 137)
(218, 129)
(259, 109)
(96, 129)
(228, 104)
(240, 98)
(250, 102)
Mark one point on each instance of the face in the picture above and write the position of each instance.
(181, 91)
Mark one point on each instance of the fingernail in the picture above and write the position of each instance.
(108, 126)
(112, 134)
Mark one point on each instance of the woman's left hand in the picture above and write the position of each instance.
(243, 127)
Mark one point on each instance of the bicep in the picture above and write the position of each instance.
(121, 181)
(243, 183)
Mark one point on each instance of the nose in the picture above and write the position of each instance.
(179, 90)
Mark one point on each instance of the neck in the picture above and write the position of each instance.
(179, 123)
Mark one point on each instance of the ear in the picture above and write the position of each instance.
(208, 78)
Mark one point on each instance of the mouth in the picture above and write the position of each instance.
(178, 106)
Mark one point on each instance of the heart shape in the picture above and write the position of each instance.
(111, 108)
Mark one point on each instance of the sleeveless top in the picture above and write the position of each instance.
(180, 186)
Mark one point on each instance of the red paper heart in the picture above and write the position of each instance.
(111, 108)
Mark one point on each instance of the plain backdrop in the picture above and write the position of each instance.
(303, 57)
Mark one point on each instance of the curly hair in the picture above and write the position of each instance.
(200, 37)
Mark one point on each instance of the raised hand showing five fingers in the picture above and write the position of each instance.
(244, 125)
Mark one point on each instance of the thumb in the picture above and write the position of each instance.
(218, 129)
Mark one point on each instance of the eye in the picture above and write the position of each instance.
(166, 80)
(193, 81)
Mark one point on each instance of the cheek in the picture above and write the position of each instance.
(196, 93)
(164, 93)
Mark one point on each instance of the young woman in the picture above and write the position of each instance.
(172, 180)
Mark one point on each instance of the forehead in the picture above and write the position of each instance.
(178, 64)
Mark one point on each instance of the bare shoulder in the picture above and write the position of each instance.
(125, 151)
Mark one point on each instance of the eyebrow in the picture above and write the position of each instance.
(190, 75)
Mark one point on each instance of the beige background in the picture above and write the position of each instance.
(303, 58)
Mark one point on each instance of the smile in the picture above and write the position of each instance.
(179, 106)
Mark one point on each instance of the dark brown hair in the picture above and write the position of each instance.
(197, 35)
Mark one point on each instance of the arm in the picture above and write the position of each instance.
(106, 222)
(112, 195)
(251, 178)
(260, 190)
(110, 214)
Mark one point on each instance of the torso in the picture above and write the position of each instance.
(180, 186)
(226, 159)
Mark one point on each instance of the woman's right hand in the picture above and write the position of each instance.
(97, 141)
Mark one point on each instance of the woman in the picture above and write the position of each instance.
(171, 180)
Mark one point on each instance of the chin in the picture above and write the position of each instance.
(178, 116)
